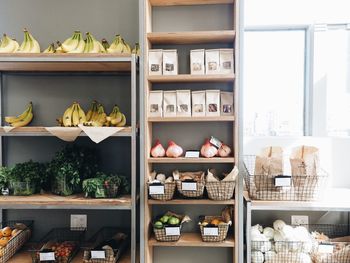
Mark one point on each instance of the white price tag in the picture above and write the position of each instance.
(49, 256)
(211, 231)
(325, 248)
(189, 186)
(156, 189)
(192, 154)
(283, 181)
(98, 254)
(172, 231)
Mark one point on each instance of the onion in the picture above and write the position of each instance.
(278, 224)
(173, 150)
(224, 151)
(208, 150)
(157, 150)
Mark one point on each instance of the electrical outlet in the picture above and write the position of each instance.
(300, 220)
(78, 221)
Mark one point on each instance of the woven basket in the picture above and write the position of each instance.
(14, 244)
(192, 194)
(161, 236)
(169, 190)
(220, 191)
(222, 231)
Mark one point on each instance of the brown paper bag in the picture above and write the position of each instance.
(267, 165)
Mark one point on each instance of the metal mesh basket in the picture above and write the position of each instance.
(160, 235)
(57, 237)
(220, 191)
(264, 187)
(23, 188)
(169, 190)
(222, 230)
(191, 193)
(111, 255)
(17, 241)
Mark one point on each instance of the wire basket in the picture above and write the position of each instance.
(161, 235)
(104, 191)
(110, 255)
(197, 193)
(336, 250)
(62, 243)
(17, 240)
(298, 188)
(220, 191)
(169, 190)
(61, 187)
(23, 188)
(214, 233)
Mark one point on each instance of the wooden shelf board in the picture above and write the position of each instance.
(191, 160)
(65, 62)
(25, 257)
(192, 119)
(183, 78)
(191, 202)
(191, 240)
(56, 201)
(188, 2)
(41, 131)
(192, 37)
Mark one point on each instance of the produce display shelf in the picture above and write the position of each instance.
(192, 160)
(191, 202)
(192, 37)
(192, 240)
(65, 62)
(25, 257)
(51, 201)
(183, 78)
(41, 131)
(189, 2)
(332, 200)
(191, 119)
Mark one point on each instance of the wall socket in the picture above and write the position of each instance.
(300, 220)
(78, 221)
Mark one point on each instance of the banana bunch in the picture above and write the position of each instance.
(116, 118)
(136, 50)
(92, 45)
(23, 119)
(50, 49)
(29, 44)
(96, 115)
(73, 116)
(8, 45)
(119, 46)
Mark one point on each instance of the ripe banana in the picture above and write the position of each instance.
(90, 111)
(29, 44)
(13, 119)
(81, 44)
(82, 116)
(136, 50)
(59, 48)
(75, 115)
(8, 45)
(67, 117)
(117, 46)
(123, 121)
(25, 121)
(50, 49)
(126, 48)
(92, 45)
(71, 43)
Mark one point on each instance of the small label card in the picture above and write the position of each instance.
(189, 186)
(192, 154)
(156, 189)
(211, 231)
(172, 231)
(216, 142)
(282, 180)
(98, 254)
(325, 248)
(48, 256)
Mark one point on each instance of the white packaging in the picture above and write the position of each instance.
(212, 98)
(183, 102)
(226, 103)
(197, 62)
(169, 103)
(170, 63)
(226, 61)
(155, 102)
(155, 58)
(198, 103)
(212, 61)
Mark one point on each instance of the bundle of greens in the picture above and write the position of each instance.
(70, 167)
(4, 177)
(27, 178)
(106, 186)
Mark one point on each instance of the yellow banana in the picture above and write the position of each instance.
(105, 44)
(136, 50)
(59, 48)
(35, 47)
(71, 43)
(25, 121)
(67, 117)
(75, 115)
(26, 45)
(8, 45)
(82, 116)
(81, 45)
(126, 47)
(117, 46)
(123, 121)
(12, 119)
(50, 49)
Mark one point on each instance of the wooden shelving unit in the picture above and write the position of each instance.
(224, 38)
(192, 240)
(68, 63)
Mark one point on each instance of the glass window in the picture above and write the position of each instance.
(274, 82)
